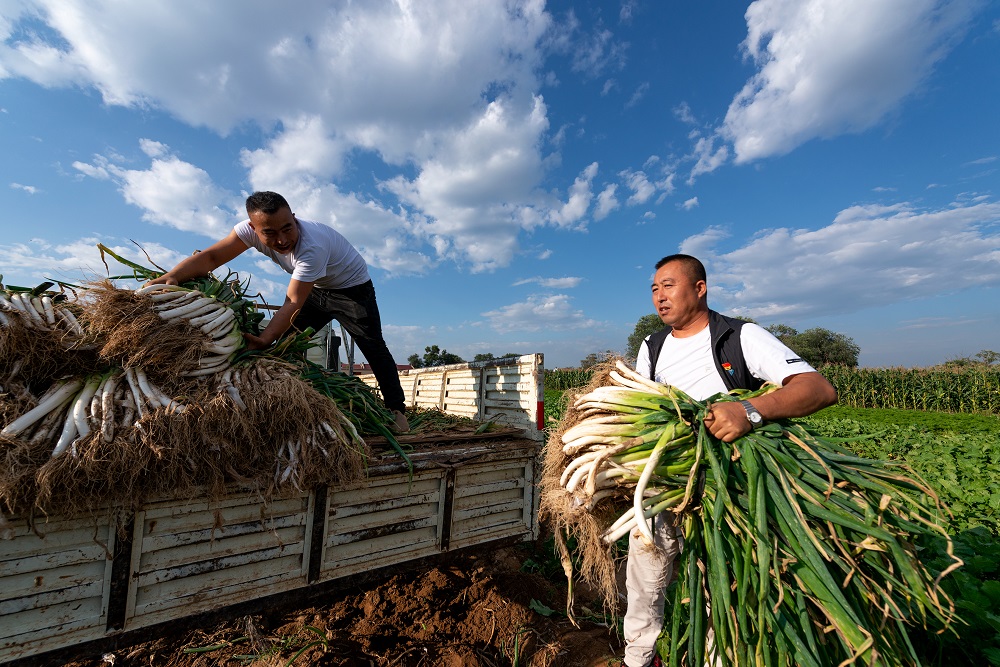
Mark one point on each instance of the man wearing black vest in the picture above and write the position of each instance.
(703, 353)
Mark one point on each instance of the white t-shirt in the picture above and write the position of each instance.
(688, 364)
(321, 256)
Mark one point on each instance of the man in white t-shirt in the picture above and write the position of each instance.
(703, 354)
(329, 281)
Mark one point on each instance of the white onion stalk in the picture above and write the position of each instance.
(3, 320)
(137, 397)
(70, 319)
(188, 310)
(50, 314)
(217, 310)
(53, 401)
(157, 397)
(159, 287)
(108, 405)
(67, 435)
(83, 402)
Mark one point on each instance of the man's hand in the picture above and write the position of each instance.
(727, 421)
(255, 342)
(165, 279)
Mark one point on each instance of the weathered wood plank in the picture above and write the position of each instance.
(188, 553)
(485, 525)
(219, 573)
(217, 566)
(358, 522)
(171, 540)
(474, 476)
(53, 559)
(491, 510)
(502, 485)
(174, 507)
(378, 529)
(43, 581)
(49, 623)
(81, 590)
(61, 536)
(343, 511)
(381, 547)
(177, 518)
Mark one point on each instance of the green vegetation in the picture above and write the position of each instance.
(434, 356)
(969, 389)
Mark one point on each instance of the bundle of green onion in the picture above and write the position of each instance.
(796, 552)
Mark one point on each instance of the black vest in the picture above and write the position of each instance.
(726, 350)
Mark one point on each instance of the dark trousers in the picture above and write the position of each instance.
(356, 310)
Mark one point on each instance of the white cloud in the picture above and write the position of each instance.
(683, 113)
(869, 256)
(640, 185)
(443, 90)
(609, 85)
(552, 312)
(708, 158)
(606, 202)
(826, 67)
(981, 161)
(553, 283)
(597, 53)
(580, 196)
(30, 189)
(637, 95)
(690, 204)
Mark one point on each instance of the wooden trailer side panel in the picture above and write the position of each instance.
(390, 520)
(197, 556)
(53, 589)
(509, 391)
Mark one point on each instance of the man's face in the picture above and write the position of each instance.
(677, 297)
(278, 231)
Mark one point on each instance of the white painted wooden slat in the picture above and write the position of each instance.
(152, 543)
(200, 581)
(36, 641)
(71, 556)
(365, 522)
(399, 545)
(230, 546)
(154, 608)
(489, 499)
(59, 536)
(81, 590)
(489, 511)
(502, 485)
(54, 579)
(343, 511)
(221, 567)
(241, 510)
(72, 615)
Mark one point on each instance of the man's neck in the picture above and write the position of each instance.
(694, 326)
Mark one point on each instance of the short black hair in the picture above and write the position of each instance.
(266, 202)
(692, 265)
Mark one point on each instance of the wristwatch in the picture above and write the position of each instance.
(754, 417)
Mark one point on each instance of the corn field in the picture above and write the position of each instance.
(562, 379)
(965, 390)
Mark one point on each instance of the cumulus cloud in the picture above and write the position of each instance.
(869, 256)
(30, 189)
(606, 202)
(170, 192)
(690, 204)
(580, 196)
(441, 95)
(828, 67)
(552, 312)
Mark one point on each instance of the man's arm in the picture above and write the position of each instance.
(295, 298)
(800, 395)
(201, 263)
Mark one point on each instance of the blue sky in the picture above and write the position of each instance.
(512, 170)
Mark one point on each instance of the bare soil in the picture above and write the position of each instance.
(477, 608)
